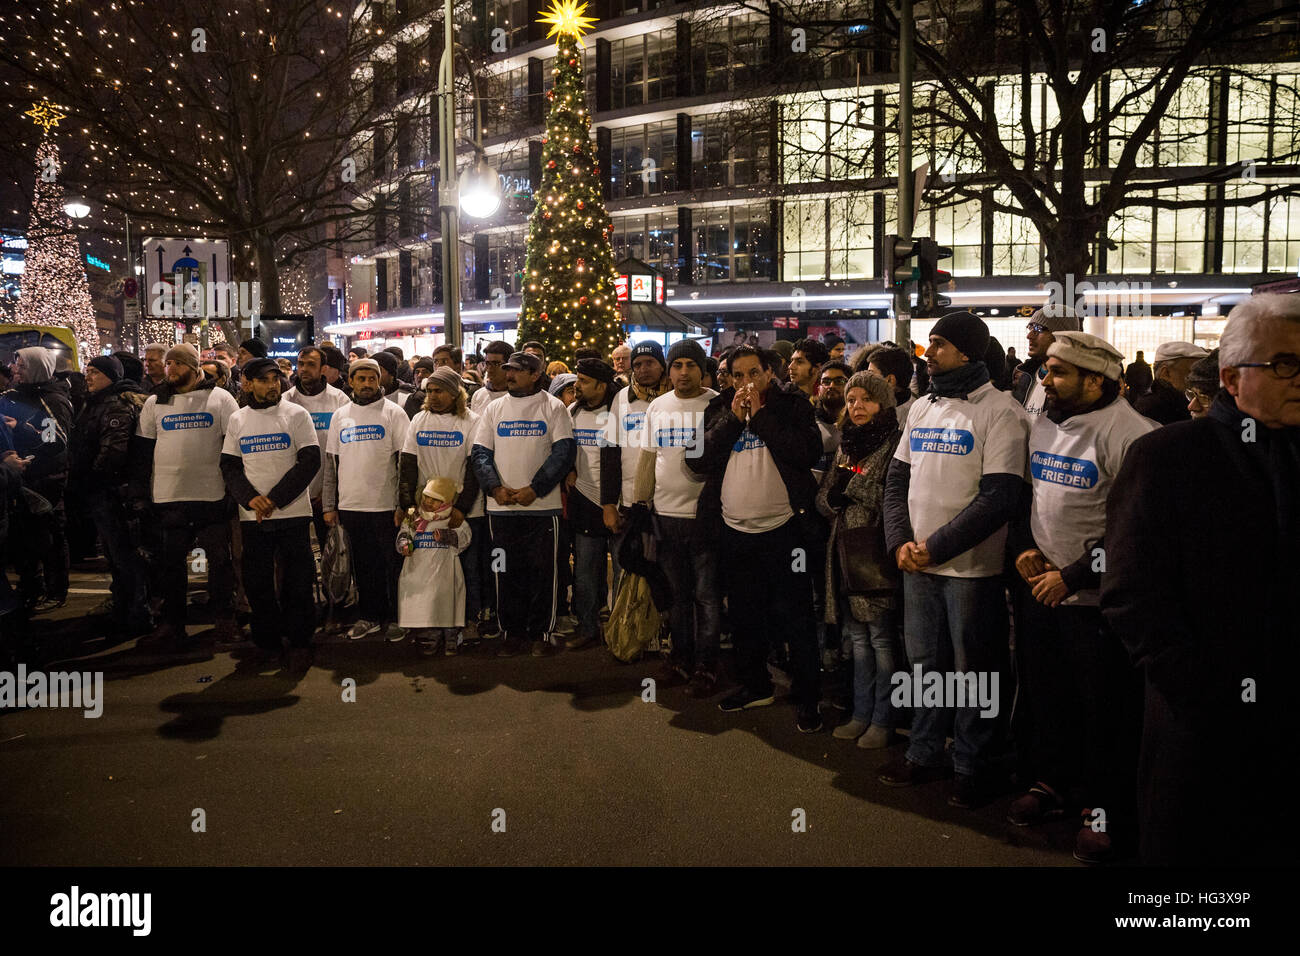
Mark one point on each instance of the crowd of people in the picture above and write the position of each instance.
(1117, 543)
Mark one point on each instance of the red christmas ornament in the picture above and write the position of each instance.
(550, 94)
(582, 263)
(542, 316)
(582, 300)
(546, 214)
(577, 147)
(595, 171)
(580, 203)
(573, 63)
(550, 164)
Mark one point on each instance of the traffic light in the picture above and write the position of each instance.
(932, 278)
(898, 268)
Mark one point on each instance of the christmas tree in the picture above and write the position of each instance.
(569, 298)
(54, 289)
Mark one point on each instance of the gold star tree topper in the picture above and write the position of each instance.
(565, 16)
(44, 114)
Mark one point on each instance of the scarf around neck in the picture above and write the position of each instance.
(859, 441)
(959, 382)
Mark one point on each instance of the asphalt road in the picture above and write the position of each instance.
(562, 753)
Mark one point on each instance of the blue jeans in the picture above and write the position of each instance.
(696, 614)
(953, 624)
(875, 658)
(590, 582)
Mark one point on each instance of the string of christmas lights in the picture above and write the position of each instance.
(569, 299)
(55, 290)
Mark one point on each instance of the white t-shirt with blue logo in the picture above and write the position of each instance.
(367, 439)
(441, 446)
(589, 432)
(951, 444)
(321, 407)
(268, 439)
(626, 429)
(187, 434)
(1072, 467)
(520, 432)
(674, 425)
(754, 498)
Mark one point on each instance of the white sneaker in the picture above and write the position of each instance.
(394, 634)
(361, 629)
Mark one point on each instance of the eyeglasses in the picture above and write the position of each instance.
(840, 380)
(1196, 395)
(1035, 327)
(1285, 366)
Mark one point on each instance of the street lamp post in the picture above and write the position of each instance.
(478, 191)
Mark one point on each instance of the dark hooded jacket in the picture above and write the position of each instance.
(101, 438)
(43, 411)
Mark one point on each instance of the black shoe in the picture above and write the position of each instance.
(967, 793)
(903, 773)
(745, 700)
(510, 647)
(808, 719)
(703, 684)
(671, 673)
(541, 648)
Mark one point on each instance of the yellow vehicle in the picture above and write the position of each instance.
(56, 338)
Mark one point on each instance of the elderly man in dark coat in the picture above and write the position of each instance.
(1202, 573)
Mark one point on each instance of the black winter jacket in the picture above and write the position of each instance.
(101, 438)
(788, 428)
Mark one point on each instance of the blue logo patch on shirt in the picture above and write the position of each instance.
(250, 444)
(589, 437)
(173, 423)
(362, 433)
(633, 421)
(1063, 470)
(424, 539)
(675, 437)
(748, 441)
(437, 439)
(943, 441)
(321, 421)
(521, 429)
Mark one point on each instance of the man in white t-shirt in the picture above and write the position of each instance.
(321, 400)
(269, 460)
(523, 449)
(495, 356)
(685, 550)
(760, 443)
(176, 463)
(360, 491)
(625, 431)
(592, 541)
(955, 481)
(1081, 694)
(437, 445)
